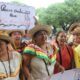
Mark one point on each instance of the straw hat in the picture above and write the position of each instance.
(73, 26)
(5, 37)
(39, 27)
(77, 30)
(3, 32)
(11, 31)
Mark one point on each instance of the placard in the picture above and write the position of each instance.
(14, 14)
(73, 74)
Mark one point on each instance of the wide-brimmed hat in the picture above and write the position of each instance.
(73, 26)
(77, 30)
(5, 37)
(3, 32)
(39, 27)
(11, 31)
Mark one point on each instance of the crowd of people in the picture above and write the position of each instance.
(29, 55)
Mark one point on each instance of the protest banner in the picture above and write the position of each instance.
(16, 15)
(73, 74)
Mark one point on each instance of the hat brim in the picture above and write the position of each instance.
(73, 26)
(77, 30)
(39, 27)
(5, 38)
(11, 31)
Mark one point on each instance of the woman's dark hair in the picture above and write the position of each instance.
(38, 32)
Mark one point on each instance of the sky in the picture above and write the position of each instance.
(36, 3)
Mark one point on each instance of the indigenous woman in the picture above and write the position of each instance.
(10, 60)
(65, 54)
(39, 57)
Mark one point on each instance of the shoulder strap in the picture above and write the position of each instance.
(46, 67)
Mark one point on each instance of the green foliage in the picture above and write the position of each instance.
(60, 14)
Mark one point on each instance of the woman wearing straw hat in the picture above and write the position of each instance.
(16, 36)
(10, 60)
(71, 29)
(40, 57)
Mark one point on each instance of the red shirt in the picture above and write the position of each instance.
(66, 56)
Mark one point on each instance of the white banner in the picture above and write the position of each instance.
(16, 15)
(73, 74)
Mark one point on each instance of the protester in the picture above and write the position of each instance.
(10, 60)
(76, 46)
(75, 32)
(65, 55)
(71, 29)
(39, 57)
(16, 36)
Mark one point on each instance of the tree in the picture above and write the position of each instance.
(61, 14)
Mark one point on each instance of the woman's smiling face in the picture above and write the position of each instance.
(76, 35)
(61, 37)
